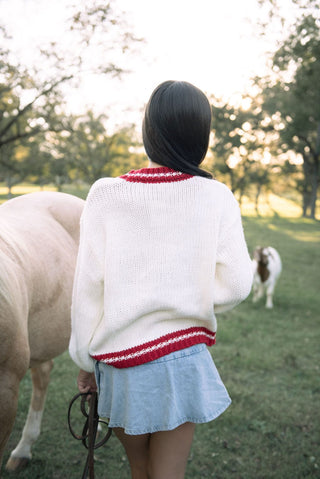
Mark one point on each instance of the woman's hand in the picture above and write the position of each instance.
(86, 382)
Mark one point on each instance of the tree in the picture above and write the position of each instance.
(291, 94)
(23, 162)
(242, 145)
(31, 99)
(27, 107)
(89, 152)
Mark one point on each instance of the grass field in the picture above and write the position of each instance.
(29, 188)
(268, 359)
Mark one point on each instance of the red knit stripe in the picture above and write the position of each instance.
(159, 347)
(155, 175)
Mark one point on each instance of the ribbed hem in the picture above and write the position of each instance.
(156, 349)
(155, 175)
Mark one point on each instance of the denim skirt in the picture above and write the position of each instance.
(183, 386)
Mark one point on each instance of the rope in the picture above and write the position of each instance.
(89, 431)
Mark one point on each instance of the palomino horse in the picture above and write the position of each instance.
(39, 235)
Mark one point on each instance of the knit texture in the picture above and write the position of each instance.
(161, 252)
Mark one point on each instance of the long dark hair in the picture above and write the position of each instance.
(176, 127)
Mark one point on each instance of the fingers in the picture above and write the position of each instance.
(86, 382)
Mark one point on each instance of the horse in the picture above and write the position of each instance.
(267, 268)
(39, 238)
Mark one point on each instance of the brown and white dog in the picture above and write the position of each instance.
(267, 268)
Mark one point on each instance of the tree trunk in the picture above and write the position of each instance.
(304, 206)
(232, 182)
(9, 186)
(314, 189)
(257, 198)
(311, 182)
(240, 198)
(58, 183)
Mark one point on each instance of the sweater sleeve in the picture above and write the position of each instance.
(233, 276)
(87, 297)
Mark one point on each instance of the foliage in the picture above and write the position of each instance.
(102, 37)
(242, 146)
(271, 139)
(32, 98)
(291, 95)
(82, 152)
(28, 106)
(269, 361)
(86, 152)
(22, 162)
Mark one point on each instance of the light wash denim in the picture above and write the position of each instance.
(183, 386)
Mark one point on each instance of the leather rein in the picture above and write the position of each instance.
(90, 428)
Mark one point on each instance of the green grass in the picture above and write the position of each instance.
(269, 361)
(24, 188)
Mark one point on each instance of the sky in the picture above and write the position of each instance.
(211, 43)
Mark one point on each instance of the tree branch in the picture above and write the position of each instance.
(30, 104)
(13, 138)
(307, 142)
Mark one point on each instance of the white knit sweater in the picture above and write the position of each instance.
(160, 253)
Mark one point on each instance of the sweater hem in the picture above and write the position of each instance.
(162, 346)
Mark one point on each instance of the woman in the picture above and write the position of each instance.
(162, 250)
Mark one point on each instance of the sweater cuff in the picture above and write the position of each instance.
(82, 359)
